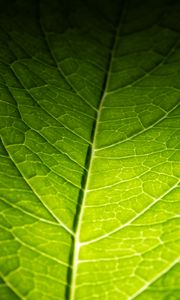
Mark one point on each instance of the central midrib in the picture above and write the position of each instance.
(89, 161)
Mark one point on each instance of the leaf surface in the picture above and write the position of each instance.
(89, 150)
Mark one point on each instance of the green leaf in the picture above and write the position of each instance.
(89, 95)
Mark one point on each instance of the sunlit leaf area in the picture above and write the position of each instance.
(89, 150)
